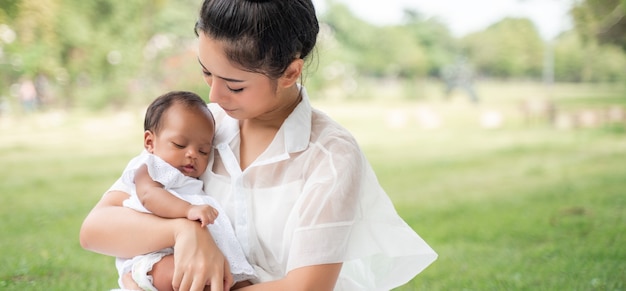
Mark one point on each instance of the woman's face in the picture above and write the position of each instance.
(242, 94)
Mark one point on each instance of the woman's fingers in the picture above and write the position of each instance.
(180, 281)
(197, 260)
(228, 277)
(217, 282)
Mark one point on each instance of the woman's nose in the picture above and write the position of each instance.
(215, 95)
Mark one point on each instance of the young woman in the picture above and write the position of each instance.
(304, 202)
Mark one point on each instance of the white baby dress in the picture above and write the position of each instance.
(190, 190)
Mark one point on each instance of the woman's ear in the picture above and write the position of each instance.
(292, 73)
(148, 141)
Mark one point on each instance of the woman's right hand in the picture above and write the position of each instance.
(198, 261)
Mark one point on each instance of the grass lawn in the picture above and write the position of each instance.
(516, 207)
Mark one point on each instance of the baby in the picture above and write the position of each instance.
(163, 179)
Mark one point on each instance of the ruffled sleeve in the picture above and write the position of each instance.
(164, 173)
(159, 170)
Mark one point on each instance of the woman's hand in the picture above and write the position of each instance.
(197, 260)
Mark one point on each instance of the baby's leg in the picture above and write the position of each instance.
(143, 266)
(163, 273)
(129, 283)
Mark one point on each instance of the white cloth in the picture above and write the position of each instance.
(142, 264)
(190, 190)
(312, 198)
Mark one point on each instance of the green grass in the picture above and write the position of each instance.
(521, 207)
(544, 216)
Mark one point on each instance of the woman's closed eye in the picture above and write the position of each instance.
(238, 90)
(234, 90)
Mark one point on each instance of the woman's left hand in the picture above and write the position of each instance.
(198, 261)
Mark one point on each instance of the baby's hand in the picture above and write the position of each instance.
(203, 213)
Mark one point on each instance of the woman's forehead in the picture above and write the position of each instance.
(212, 55)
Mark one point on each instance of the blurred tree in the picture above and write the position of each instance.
(604, 20)
(95, 49)
(510, 48)
(102, 52)
(100, 46)
(569, 58)
(394, 52)
(354, 38)
(576, 61)
(415, 48)
(439, 47)
(354, 49)
(8, 10)
(600, 33)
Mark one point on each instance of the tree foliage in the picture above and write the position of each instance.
(412, 49)
(511, 48)
(84, 45)
(435, 39)
(110, 52)
(603, 20)
(579, 61)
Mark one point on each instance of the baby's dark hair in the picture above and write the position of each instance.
(261, 36)
(157, 108)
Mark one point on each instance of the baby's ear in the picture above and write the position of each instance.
(292, 73)
(148, 141)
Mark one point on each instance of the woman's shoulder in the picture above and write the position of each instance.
(329, 133)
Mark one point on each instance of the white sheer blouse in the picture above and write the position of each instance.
(312, 198)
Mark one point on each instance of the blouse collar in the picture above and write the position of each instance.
(297, 126)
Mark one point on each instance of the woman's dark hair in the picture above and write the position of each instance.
(261, 36)
(157, 108)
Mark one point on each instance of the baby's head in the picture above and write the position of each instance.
(179, 128)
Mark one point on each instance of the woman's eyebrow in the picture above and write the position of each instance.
(223, 78)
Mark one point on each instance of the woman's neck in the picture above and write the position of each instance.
(275, 118)
(257, 134)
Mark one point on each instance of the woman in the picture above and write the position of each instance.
(304, 202)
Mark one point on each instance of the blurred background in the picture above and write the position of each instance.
(497, 127)
(57, 54)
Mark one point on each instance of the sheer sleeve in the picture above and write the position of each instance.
(347, 217)
(329, 207)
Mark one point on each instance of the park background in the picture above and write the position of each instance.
(522, 189)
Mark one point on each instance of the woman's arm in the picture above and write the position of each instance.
(311, 278)
(112, 229)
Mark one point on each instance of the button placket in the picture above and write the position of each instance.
(238, 190)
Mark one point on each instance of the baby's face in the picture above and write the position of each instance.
(185, 140)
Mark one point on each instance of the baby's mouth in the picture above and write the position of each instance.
(189, 168)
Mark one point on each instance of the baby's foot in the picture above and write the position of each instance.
(129, 283)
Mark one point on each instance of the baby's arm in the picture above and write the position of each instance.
(159, 201)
